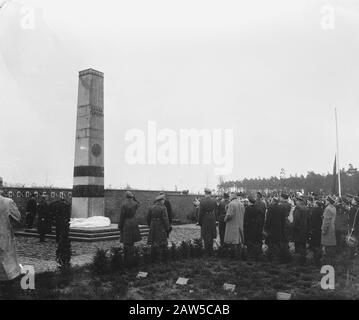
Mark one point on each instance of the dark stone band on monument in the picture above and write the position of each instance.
(91, 72)
(88, 171)
(88, 191)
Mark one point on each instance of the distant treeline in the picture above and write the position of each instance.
(312, 182)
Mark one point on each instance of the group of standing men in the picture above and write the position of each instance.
(57, 213)
(159, 219)
(319, 224)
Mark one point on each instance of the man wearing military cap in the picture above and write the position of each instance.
(168, 206)
(207, 220)
(128, 226)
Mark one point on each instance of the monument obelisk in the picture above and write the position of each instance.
(88, 187)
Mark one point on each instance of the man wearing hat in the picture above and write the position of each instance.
(274, 228)
(9, 266)
(354, 222)
(207, 220)
(260, 203)
(315, 232)
(328, 229)
(157, 219)
(234, 223)
(222, 208)
(31, 211)
(43, 218)
(128, 226)
(168, 206)
(252, 228)
(341, 224)
(300, 227)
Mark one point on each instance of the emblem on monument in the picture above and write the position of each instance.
(96, 150)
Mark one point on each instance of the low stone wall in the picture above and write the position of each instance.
(182, 205)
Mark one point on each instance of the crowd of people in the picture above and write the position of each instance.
(322, 225)
(277, 224)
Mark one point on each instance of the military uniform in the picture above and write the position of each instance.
(128, 226)
(157, 219)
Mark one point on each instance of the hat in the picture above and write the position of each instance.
(300, 198)
(251, 199)
(207, 191)
(330, 199)
(162, 193)
(160, 197)
(233, 195)
(225, 195)
(284, 196)
(129, 194)
(275, 199)
(240, 194)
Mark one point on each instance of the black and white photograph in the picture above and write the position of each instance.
(179, 155)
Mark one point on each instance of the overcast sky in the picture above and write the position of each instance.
(266, 69)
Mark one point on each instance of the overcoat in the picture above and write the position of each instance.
(44, 218)
(275, 224)
(157, 219)
(315, 224)
(354, 224)
(9, 266)
(234, 223)
(207, 219)
(128, 226)
(300, 224)
(328, 226)
(252, 226)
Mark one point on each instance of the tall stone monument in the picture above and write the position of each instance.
(88, 187)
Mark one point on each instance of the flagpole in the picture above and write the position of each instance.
(338, 163)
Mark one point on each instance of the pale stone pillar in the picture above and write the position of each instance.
(88, 188)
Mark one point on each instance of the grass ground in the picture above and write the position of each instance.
(253, 280)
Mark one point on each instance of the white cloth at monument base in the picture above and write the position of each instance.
(92, 222)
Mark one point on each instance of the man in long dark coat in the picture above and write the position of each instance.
(222, 208)
(354, 223)
(253, 227)
(168, 206)
(207, 220)
(300, 226)
(274, 227)
(31, 211)
(61, 212)
(128, 226)
(315, 231)
(44, 218)
(158, 221)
